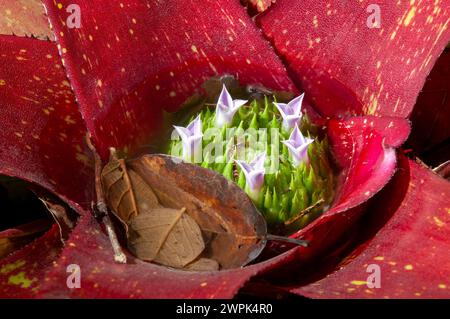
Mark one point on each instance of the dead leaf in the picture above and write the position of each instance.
(25, 18)
(62, 214)
(163, 235)
(166, 236)
(234, 230)
(181, 215)
(127, 194)
(259, 5)
(203, 264)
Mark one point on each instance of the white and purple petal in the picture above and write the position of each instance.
(226, 108)
(291, 112)
(298, 145)
(191, 138)
(254, 174)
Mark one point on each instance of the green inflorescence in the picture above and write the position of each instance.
(292, 196)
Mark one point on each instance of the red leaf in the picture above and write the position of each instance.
(22, 274)
(411, 249)
(431, 114)
(131, 59)
(363, 146)
(349, 68)
(101, 277)
(41, 139)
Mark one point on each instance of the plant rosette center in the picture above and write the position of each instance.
(269, 149)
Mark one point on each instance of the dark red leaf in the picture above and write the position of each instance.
(101, 277)
(349, 68)
(130, 59)
(22, 274)
(369, 163)
(411, 249)
(368, 160)
(431, 114)
(42, 133)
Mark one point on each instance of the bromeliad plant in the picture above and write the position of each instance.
(258, 145)
(130, 61)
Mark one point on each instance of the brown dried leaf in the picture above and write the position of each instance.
(162, 235)
(25, 18)
(259, 5)
(183, 244)
(235, 230)
(181, 215)
(144, 195)
(203, 264)
(166, 236)
(117, 187)
(126, 193)
(61, 214)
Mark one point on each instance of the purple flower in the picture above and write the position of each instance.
(291, 112)
(191, 137)
(298, 146)
(254, 175)
(226, 108)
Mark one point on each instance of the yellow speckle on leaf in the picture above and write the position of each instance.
(358, 282)
(409, 267)
(409, 16)
(442, 286)
(59, 6)
(12, 266)
(21, 280)
(315, 22)
(194, 49)
(2, 82)
(380, 258)
(203, 284)
(438, 222)
(392, 263)
(69, 120)
(393, 35)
